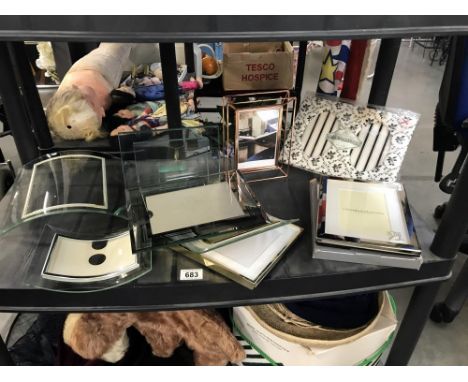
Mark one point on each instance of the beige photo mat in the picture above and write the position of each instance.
(193, 206)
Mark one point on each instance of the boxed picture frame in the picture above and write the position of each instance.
(365, 215)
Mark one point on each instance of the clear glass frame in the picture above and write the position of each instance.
(61, 183)
(82, 262)
(180, 188)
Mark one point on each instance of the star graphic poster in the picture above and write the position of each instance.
(335, 56)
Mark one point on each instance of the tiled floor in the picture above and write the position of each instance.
(415, 87)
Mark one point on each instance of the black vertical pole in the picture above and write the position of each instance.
(412, 325)
(5, 359)
(386, 61)
(62, 57)
(189, 60)
(31, 96)
(80, 49)
(439, 166)
(301, 59)
(458, 294)
(454, 223)
(171, 85)
(15, 109)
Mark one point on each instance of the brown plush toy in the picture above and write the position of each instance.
(103, 335)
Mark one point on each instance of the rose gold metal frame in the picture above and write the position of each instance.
(287, 108)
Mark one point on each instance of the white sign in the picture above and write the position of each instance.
(191, 274)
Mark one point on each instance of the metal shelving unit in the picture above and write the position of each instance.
(297, 276)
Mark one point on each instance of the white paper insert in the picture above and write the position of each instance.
(249, 257)
(365, 211)
(71, 258)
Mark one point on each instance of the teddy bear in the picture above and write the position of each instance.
(103, 335)
(77, 108)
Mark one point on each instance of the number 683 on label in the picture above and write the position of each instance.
(191, 274)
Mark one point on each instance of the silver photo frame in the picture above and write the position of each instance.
(365, 215)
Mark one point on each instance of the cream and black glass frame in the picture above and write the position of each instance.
(79, 262)
(255, 128)
(366, 215)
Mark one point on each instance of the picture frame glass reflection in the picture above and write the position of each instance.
(257, 137)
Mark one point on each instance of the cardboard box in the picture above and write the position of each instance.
(355, 350)
(258, 66)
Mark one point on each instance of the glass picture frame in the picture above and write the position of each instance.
(81, 261)
(39, 198)
(180, 188)
(247, 261)
(65, 182)
(77, 260)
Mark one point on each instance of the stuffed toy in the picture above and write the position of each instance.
(155, 92)
(153, 115)
(77, 108)
(103, 335)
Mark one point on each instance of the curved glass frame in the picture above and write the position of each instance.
(58, 183)
(64, 261)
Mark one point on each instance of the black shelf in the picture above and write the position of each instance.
(195, 295)
(223, 28)
(108, 145)
(296, 277)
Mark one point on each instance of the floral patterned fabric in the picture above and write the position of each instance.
(352, 125)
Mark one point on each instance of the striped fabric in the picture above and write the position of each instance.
(253, 357)
(373, 141)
